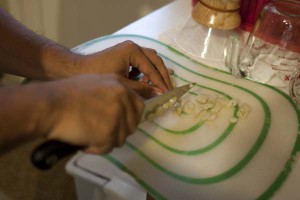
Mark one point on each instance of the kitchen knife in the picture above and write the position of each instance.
(152, 104)
(50, 152)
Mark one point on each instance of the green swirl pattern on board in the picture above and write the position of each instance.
(227, 174)
(221, 138)
(230, 172)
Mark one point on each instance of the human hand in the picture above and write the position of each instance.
(96, 111)
(119, 58)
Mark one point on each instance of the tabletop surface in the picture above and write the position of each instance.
(254, 155)
(152, 26)
(160, 20)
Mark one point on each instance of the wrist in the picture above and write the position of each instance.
(25, 114)
(48, 102)
(60, 62)
(43, 105)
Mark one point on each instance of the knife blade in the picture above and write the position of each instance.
(47, 154)
(154, 103)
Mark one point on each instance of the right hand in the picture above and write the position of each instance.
(95, 111)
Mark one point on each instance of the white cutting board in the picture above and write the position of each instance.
(175, 158)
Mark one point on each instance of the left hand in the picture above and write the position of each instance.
(119, 58)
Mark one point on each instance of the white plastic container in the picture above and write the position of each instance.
(98, 179)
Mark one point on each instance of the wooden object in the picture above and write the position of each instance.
(219, 14)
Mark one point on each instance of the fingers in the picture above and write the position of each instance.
(143, 88)
(131, 109)
(100, 111)
(151, 65)
(104, 149)
(145, 79)
(159, 65)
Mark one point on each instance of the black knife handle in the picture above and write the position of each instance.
(47, 154)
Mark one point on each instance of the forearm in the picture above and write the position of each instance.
(25, 53)
(22, 114)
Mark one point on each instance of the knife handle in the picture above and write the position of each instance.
(47, 154)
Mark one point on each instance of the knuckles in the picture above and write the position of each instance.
(152, 50)
(129, 44)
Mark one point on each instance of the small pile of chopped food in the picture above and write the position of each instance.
(202, 106)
